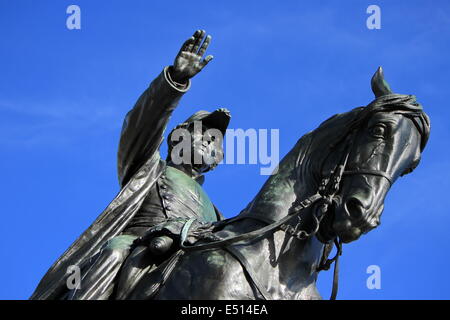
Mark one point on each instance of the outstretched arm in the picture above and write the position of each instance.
(144, 125)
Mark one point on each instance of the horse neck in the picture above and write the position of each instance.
(297, 260)
(292, 181)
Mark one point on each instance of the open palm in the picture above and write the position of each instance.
(189, 60)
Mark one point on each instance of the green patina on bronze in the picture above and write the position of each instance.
(188, 195)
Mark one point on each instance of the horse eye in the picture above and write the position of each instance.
(378, 131)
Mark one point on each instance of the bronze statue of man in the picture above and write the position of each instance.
(153, 191)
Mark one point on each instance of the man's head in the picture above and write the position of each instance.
(198, 140)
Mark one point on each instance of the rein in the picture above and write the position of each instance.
(249, 235)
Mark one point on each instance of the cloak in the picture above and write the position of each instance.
(139, 166)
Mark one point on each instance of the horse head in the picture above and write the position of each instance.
(374, 145)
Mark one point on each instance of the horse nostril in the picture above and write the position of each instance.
(355, 208)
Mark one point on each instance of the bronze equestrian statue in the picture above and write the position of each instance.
(329, 189)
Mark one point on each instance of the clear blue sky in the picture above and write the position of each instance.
(285, 65)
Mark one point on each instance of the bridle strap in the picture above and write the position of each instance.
(334, 291)
(370, 172)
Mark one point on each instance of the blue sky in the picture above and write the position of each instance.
(287, 66)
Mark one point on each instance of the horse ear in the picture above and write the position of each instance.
(379, 86)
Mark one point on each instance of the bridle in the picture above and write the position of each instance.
(371, 172)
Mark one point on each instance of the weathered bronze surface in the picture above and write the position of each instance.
(162, 238)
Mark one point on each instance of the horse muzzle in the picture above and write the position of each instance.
(354, 216)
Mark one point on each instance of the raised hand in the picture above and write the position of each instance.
(189, 60)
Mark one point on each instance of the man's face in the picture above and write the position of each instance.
(206, 146)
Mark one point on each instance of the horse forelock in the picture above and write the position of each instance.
(408, 106)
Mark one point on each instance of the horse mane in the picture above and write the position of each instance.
(324, 141)
(336, 128)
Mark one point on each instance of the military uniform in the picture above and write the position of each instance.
(151, 193)
(174, 195)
